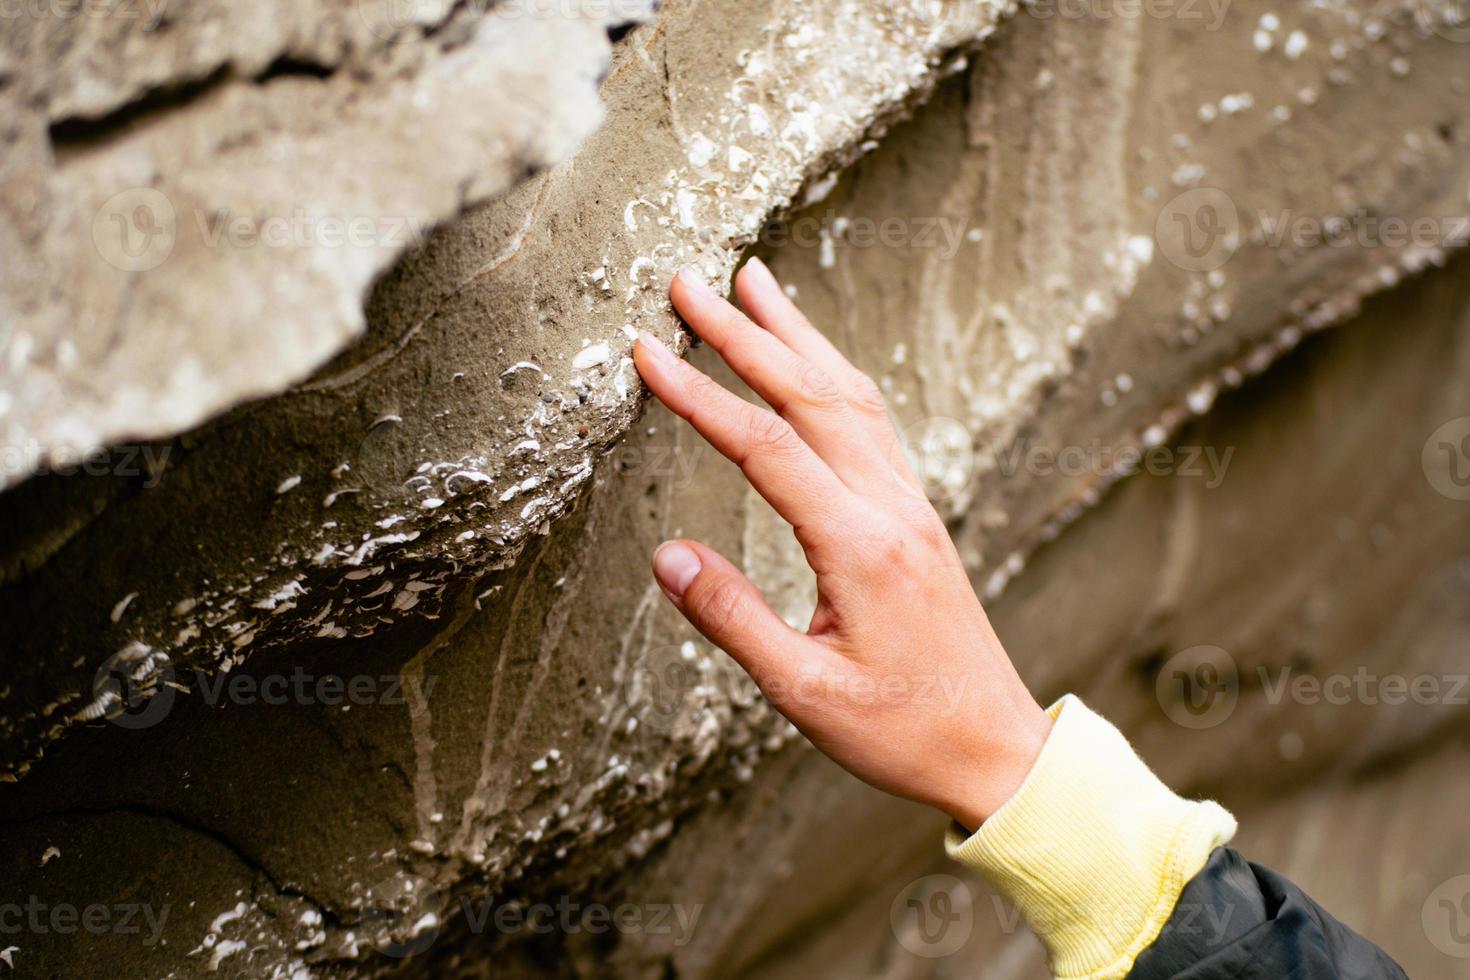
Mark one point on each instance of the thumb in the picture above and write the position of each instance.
(726, 607)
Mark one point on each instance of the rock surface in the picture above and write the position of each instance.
(1099, 234)
(496, 371)
(198, 197)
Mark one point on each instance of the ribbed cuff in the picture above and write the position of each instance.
(1093, 849)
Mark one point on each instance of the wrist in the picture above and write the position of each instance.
(996, 761)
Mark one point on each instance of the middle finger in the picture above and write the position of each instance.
(800, 392)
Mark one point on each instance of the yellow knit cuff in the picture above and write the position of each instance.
(1093, 849)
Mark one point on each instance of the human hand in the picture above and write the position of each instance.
(896, 620)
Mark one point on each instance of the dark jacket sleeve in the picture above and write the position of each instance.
(1240, 920)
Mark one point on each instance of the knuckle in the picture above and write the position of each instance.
(877, 546)
(895, 551)
(816, 387)
(923, 526)
(902, 551)
(768, 433)
(814, 539)
(932, 533)
(917, 514)
(867, 396)
(722, 609)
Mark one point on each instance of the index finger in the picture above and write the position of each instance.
(782, 469)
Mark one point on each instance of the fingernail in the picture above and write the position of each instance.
(655, 347)
(675, 565)
(763, 272)
(695, 283)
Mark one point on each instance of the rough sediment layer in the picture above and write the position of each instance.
(497, 370)
(198, 197)
(1099, 233)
